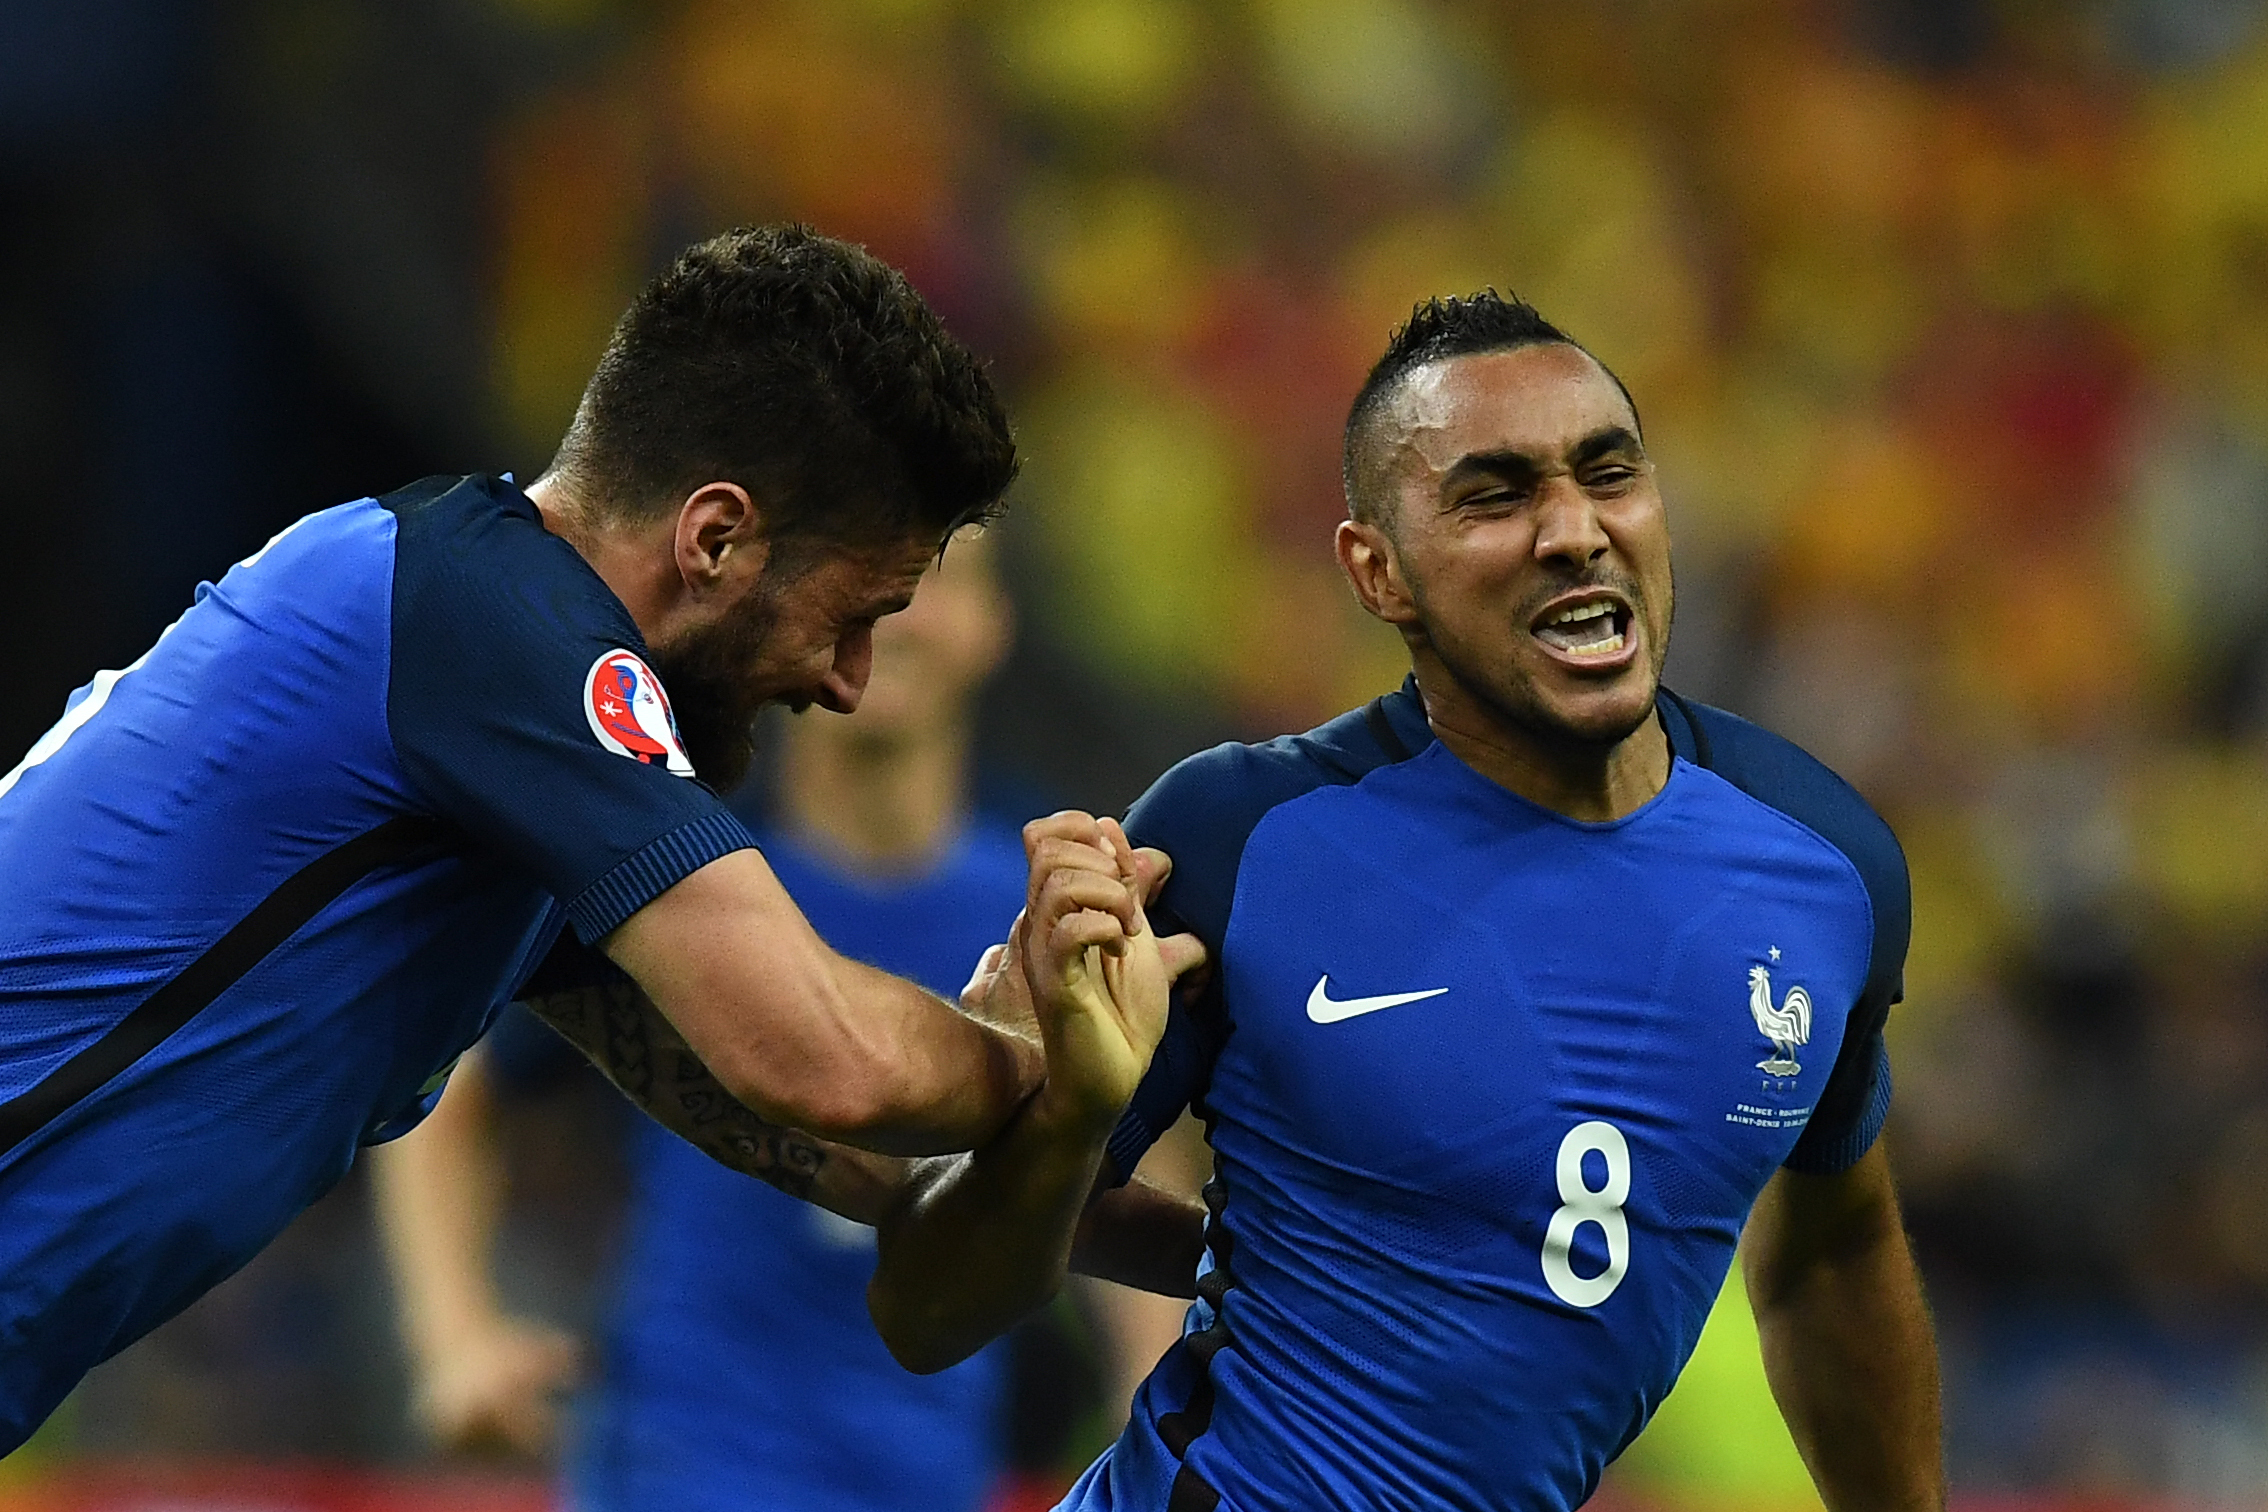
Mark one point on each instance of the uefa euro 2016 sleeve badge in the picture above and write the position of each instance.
(629, 712)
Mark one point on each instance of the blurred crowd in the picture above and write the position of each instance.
(1947, 320)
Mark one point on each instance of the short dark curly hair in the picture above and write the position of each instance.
(1438, 329)
(807, 371)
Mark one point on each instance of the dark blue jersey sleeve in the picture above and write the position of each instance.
(524, 710)
(1200, 814)
(1851, 1111)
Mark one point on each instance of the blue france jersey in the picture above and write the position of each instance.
(262, 887)
(1490, 1093)
(739, 1372)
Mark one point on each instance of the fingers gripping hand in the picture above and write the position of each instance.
(1182, 953)
(997, 994)
(1098, 979)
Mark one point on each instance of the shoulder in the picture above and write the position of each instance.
(1205, 808)
(1783, 776)
(495, 617)
(474, 548)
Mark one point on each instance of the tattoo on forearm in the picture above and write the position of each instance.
(625, 1035)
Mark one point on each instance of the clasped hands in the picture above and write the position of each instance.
(1081, 970)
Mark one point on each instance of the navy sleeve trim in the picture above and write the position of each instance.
(1129, 1142)
(644, 876)
(1831, 1156)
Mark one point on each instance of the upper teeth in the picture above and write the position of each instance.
(1580, 613)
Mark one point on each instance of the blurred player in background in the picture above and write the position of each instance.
(260, 889)
(739, 1371)
(1533, 984)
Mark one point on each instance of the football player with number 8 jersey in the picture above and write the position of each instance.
(1534, 989)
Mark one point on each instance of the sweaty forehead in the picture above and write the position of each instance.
(1538, 401)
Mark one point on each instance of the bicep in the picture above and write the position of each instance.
(728, 925)
(1805, 1221)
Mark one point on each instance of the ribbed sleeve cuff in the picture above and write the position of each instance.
(1836, 1152)
(645, 876)
(1129, 1142)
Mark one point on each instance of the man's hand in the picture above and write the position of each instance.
(1099, 980)
(997, 994)
(981, 1239)
(497, 1388)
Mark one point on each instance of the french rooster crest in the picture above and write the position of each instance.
(1786, 1026)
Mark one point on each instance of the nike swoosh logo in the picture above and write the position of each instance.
(1323, 1010)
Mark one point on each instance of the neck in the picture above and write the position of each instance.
(883, 802)
(1593, 783)
(643, 577)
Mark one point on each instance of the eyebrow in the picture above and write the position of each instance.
(1509, 463)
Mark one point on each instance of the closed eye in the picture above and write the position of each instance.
(1507, 497)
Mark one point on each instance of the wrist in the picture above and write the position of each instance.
(1068, 1112)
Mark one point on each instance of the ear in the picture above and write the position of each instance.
(1374, 569)
(718, 527)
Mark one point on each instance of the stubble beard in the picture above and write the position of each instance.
(1512, 696)
(706, 673)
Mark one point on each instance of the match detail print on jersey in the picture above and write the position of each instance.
(1323, 1010)
(629, 712)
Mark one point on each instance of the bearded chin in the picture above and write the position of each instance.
(706, 674)
(719, 732)
(1518, 703)
(1522, 706)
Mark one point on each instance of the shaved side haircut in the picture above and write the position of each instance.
(1437, 330)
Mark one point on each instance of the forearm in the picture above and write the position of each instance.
(626, 1036)
(1847, 1341)
(1142, 1236)
(980, 1240)
(938, 1081)
(806, 1038)
(439, 1189)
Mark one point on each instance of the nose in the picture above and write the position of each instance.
(845, 681)
(1567, 526)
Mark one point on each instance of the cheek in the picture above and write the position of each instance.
(1488, 571)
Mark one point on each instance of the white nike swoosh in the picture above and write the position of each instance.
(1323, 1010)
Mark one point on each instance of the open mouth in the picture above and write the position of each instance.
(1590, 629)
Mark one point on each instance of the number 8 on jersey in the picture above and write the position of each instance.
(1581, 1204)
